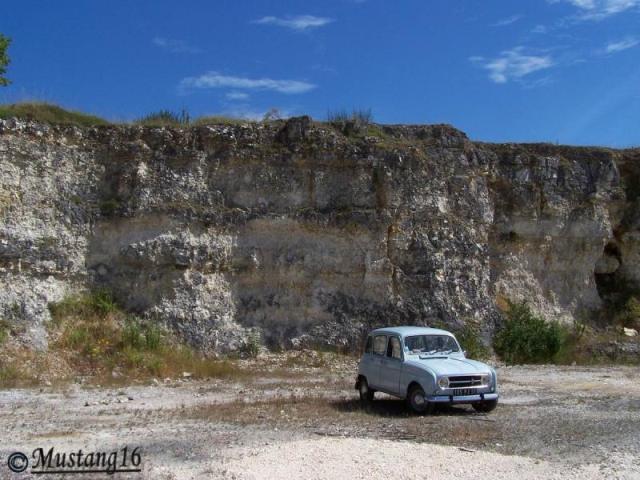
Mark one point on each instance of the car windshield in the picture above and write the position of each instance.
(431, 344)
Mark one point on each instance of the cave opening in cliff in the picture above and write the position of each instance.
(610, 287)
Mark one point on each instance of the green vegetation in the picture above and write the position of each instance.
(356, 123)
(528, 338)
(166, 118)
(9, 375)
(4, 59)
(53, 114)
(49, 113)
(251, 347)
(220, 120)
(99, 339)
(629, 313)
(471, 342)
(99, 303)
(4, 331)
(109, 207)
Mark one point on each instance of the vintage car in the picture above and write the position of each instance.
(424, 366)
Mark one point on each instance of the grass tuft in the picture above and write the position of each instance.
(49, 113)
(251, 346)
(221, 120)
(358, 122)
(5, 328)
(165, 118)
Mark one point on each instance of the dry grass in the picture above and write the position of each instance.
(21, 367)
(331, 416)
(221, 120)
(109, 346)
(49, 113)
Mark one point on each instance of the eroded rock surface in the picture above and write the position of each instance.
(305, 236)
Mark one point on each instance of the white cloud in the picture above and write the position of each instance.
(298, 23)
(236, 96)
(600, 9)
(175, 46)
(216, 80)
(513, 64)
(615, 47)
(508, 21)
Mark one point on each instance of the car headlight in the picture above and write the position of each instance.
(486, 379)
(443, 382)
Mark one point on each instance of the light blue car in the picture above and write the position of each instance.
(425, 366)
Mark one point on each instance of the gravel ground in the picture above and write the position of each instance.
(552, 422)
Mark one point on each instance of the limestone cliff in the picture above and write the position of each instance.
(305, 235)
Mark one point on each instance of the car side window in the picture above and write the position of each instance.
(380, 344)
(393, 350)
(368, 348)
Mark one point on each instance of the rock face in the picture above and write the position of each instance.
(305, 236)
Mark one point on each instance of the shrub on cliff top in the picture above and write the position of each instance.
(49, 113)
(165, 118)
(355, 123)
(528, 338)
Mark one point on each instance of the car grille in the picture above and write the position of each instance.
(465, 381)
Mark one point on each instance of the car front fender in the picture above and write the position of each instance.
(423, 376)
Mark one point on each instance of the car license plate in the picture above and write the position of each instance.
(463, 391)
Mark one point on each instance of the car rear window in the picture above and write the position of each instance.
(380, 344)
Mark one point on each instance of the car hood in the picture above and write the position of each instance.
(450, 365)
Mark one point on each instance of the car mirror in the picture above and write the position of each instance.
(464, 352)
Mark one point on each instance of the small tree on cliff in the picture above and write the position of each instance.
(4, 60)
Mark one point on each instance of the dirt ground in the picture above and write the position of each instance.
(301, 419)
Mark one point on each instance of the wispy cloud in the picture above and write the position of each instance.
(236, 96)
(513, 64)
(298, 23)
(175, 46)
(216, 80)
(507, 21)
(600, 9)
(541, 29)
(625, 44)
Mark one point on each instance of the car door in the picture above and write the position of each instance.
(368, 368)
(391, 366)
(375, 360)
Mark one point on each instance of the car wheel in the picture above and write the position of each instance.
(418, 402)
(366, 394)
(486, 406)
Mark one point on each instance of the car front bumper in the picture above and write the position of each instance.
(463, 398)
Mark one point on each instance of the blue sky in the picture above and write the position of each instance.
(529, 70)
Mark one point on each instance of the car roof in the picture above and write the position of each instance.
(408, 331)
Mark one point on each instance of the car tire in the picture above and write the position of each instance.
(485, 406)
(366, 394)
(417, 401)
